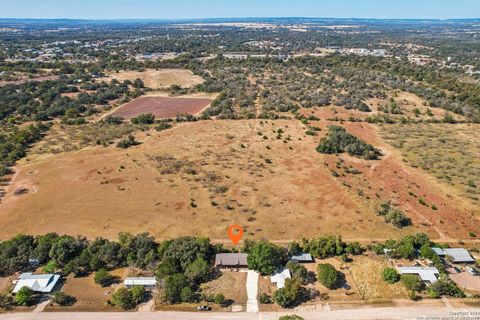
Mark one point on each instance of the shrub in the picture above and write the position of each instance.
(146, 118)
(394, 215)
(128, 142)
(290, 317)
(139, 294)
(265, 298)
(339, 141)
(163, 125)
(103, 278)
(219, 299)
(123, 298)
(298, 271)
(390, 275)
(444, 287)
(412, 282)
(24, 296)
(327, 275)
(63, 299)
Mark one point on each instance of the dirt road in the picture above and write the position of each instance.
(360, 314)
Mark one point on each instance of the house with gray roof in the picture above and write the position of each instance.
(231, 260)
(426, 274)
(458, 255)
(42, 283)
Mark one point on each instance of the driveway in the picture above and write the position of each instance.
(252, 291)
(465, 280)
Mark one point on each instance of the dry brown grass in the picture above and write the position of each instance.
(90, 296)
(233, 175)
(159, 79)
(366, 275)
(231, 284)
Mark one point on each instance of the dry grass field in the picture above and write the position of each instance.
(200, 177)
(450, 153)
(90, 296)
(231, 284)
(162, 107)
(159, 79)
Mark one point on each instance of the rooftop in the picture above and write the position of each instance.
(304, 257)
(37, 282)
(231, 259)
(457, 254)
(428, 274)
(140, 281)
(280, 277)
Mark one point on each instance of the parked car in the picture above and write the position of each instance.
(457, 270)
(204, 308)
(472, 271)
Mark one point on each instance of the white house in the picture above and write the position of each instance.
(280, 277)
(146, 282)
(43, 283)
(427, 274)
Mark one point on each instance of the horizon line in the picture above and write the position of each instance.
(233, 18)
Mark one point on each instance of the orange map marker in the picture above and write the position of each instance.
(235, 232)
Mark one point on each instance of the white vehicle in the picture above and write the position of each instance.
(471, 271)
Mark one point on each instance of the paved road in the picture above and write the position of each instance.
(252, 291)
(413, 313)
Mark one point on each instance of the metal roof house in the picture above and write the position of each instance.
(459, 255)
(302, 258)
(231, 260)
(43, 283)
(427, 274)
(280, 277)
(146, 282)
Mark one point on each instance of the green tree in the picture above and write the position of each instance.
(266, 258)
(123, 298)
(390, 275)
(24, 296)
(327, 275)
(298, 271)
(412, 282)
(290, 295)
(173, 286)
(103, 277)
(197, 271)
(63, 299)
(187, 294)
(138, 294)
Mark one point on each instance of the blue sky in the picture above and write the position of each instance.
(177, 9)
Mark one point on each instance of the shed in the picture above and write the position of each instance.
(146, 282)
(302, 258)
(231, 260)
(43, 283)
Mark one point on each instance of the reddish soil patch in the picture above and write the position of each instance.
(162, 107)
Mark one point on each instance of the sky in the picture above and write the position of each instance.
(184, 9)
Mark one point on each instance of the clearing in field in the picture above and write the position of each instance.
(209, 173)
(162, 107)
(160, 79)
